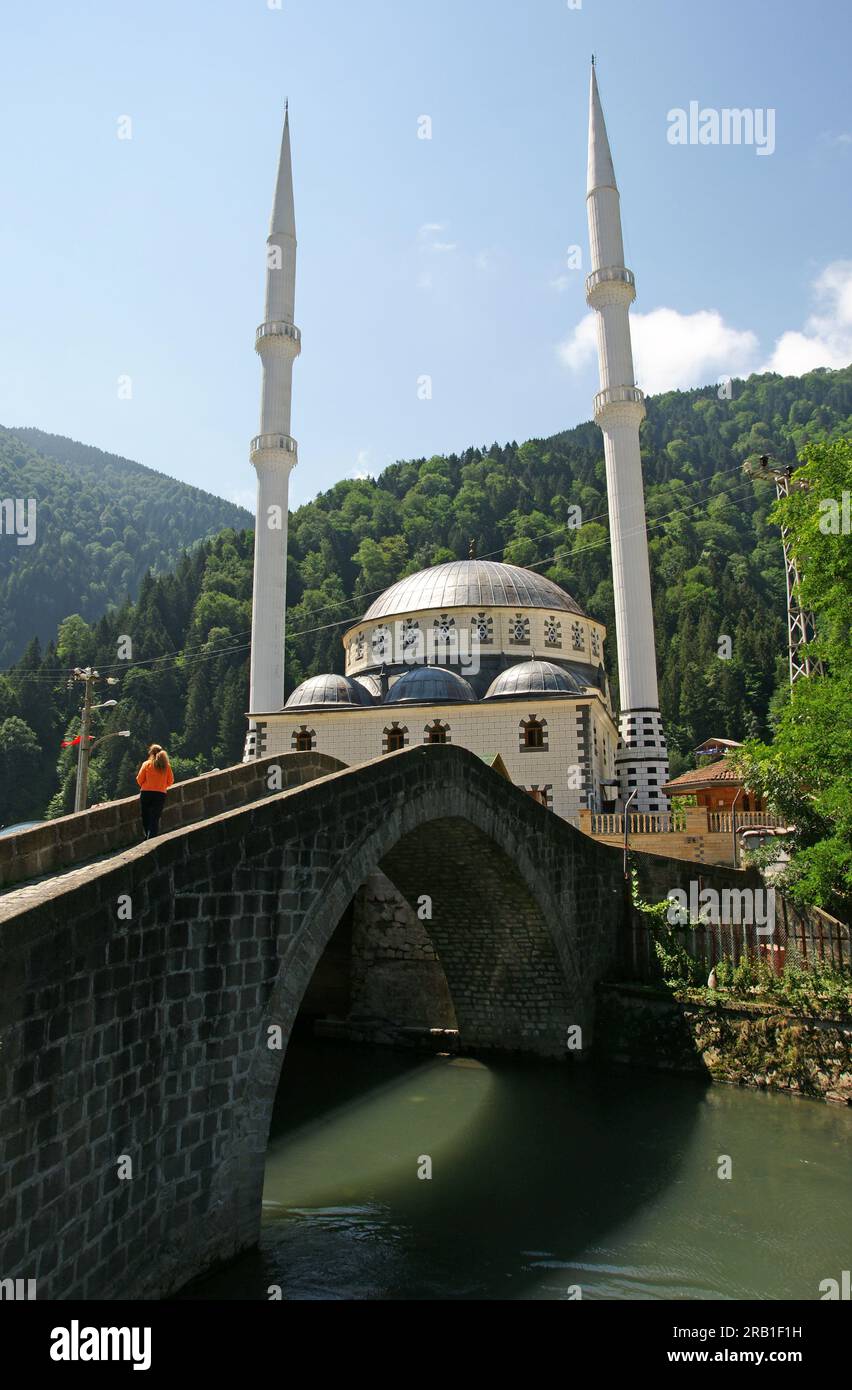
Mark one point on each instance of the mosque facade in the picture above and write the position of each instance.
(492, 657)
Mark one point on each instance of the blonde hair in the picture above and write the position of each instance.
(158, 756)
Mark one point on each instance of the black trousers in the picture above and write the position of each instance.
(151, 808)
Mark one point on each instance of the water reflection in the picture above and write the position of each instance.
(543, 1178)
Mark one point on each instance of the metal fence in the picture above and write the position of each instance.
(806, 936)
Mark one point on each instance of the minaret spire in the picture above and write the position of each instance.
(642, 759)
(274, 453)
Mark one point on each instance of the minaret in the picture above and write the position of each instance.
(273, 453)
(642, 759)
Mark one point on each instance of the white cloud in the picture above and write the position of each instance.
(674, 351)
(671, 350)
(428, 237)
(563, 283)
(826, 340)
(581, 348)
(362, 470)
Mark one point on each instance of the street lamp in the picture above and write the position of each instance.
(119, 733)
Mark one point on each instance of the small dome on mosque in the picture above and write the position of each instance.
(427, 683)
(534, 678)
(471, 584)
(372, 685)
(328, 690)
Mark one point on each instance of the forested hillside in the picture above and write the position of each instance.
(717, 571)
(101, 523)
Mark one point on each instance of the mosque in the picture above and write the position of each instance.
(489, 656)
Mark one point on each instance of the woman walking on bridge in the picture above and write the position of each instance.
(155, 776)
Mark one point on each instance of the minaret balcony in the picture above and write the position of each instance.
(611, 278)
(278, 330)
(610, 272)
(618, 395)
(263, 442)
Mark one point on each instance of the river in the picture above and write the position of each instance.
(545, 1179)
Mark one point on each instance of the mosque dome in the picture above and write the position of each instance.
(534, 678)
(372, 685)
(428, 683)
(471, 584)
(328, 690)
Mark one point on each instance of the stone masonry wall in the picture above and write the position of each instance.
(68, 840)
(396, 975)
(137, 1078)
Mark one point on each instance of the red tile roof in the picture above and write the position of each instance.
(704, 777)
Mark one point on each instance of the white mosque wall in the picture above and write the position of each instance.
(579, 740)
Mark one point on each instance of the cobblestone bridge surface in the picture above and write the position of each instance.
(143, 997)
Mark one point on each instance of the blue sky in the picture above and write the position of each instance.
(442, 257)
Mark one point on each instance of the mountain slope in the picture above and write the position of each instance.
(716, 568)
(101, 523)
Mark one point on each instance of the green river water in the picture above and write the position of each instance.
(545, 1178)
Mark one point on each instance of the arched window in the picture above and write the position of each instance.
(381, 642)
(303, 739)
(394, 738)
(519, 630)
(543, 795)
(482, 628)
(552, 632)
(578, 641)
(436, 732)
(412, 640)
(532, 735)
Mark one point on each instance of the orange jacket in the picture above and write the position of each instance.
(151, 779)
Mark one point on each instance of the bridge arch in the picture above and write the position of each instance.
(148, 1035)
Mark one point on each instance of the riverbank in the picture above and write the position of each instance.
(759, 1044)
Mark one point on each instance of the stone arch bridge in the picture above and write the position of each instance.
(138, 991)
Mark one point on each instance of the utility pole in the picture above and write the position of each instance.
(800, 621)
(82, 790)
(88, 676)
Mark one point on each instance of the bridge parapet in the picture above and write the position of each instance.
(59, 844)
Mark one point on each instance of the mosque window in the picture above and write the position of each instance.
(552, 632)
(303, 739)
(412, 637)
(444, 627)
(543, 795)
(532, 735)
(578, 641)
(483, 628)
(394, 738)
(596, 642)
(520, 629)
(436, 732)
(360, 647)
(381, 642)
